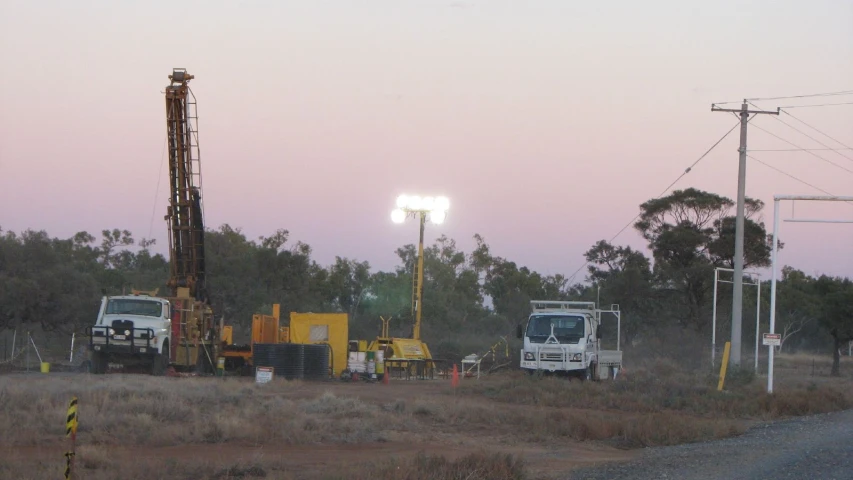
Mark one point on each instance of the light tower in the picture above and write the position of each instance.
(419, 207)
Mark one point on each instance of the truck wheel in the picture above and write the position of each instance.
(589, 374)
(100, 362)
(159, 365)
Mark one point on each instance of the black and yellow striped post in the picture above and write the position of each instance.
(71, 432)
(68, 461)
(71, 419)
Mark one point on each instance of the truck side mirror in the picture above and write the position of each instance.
(518, 332)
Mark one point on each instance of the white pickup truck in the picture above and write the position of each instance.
(565, 336)
(131, 330)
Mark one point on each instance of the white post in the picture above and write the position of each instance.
(619, 331)
(757, 320)
(37, 350)
(773, 292)
(71, 357)
(14, 337)
(714, 323)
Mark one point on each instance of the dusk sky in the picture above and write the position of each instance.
(546, 123)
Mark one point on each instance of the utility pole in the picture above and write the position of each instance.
(737, 294)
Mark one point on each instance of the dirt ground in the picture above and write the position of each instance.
(136, 426)
(312, 460)
(542, 459)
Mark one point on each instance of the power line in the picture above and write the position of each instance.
(822, 133)
(157, 191)
(809, 136)
(819, 105)
(794, 178)
(790, 176)
(685, 172)
(829, 94)
(809, 152)
(798, 149)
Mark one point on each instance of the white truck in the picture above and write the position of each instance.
(565, 337)
(131, 330)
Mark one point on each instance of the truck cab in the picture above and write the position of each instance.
(565, 337)
(131, 330)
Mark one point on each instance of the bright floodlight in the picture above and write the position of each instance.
(398, 216)
(441, 203)
(437, 216)
(427, 203)
(415, 202)
(402, 201)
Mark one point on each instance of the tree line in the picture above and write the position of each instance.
(470, 298)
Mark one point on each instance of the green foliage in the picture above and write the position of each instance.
(470, 298)
(690, 232)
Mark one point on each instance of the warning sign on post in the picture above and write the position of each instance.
(263, 374)
(772, 339)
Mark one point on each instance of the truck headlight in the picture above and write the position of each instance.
(112, 332)
(577, 357)
(528, 356)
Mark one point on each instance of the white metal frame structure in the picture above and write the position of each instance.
(566, 305)
(775, 254)
(757, 284)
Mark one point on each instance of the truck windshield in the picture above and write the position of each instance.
(133, 307)
(567, 328)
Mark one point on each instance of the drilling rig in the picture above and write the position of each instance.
(194, 333)
(177, 330)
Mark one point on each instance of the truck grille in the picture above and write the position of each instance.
(551, 357)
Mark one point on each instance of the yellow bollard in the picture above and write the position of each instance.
(45, 367)
(723, 366)
(220, 367)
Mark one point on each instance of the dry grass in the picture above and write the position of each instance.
(163, 412)
(659, 403)
(662, 387)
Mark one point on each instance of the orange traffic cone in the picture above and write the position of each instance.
(454, 380)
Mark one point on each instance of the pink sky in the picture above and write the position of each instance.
(546, 123)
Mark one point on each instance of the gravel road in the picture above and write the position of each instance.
(813, 447)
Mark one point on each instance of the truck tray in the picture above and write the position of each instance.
(610, 358)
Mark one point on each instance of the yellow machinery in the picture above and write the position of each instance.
(305, 328)
(265, 329)
(406, 356)
(331, 329)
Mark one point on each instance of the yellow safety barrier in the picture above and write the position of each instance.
(725, 364)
